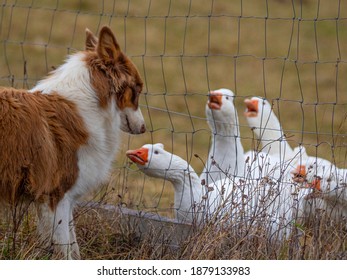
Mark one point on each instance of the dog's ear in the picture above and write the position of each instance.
(91, 41)
(108, 48)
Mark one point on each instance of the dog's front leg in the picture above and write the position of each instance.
(54, 226)
(75, 251)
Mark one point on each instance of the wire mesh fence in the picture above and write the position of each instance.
(292, 53)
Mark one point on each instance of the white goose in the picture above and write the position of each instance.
(226, 154)
(254, 200)
(191, 199)
(266, 126)
(328, 181)
(317, 173)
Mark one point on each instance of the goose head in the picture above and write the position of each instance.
(220, 110)
(155, 161)
(267, 128)
(315, 172)
(259, 113)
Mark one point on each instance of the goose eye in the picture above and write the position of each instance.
(156, 152)
(227, 97)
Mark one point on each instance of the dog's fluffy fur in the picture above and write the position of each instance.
(58, 141)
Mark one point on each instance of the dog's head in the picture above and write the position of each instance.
(114, 77)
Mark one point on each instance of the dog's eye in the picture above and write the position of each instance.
(138, 88)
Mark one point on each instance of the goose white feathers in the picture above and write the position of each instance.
(267, 128)
(226, 154)
(279, 204)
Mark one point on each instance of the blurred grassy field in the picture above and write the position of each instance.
(291, 52)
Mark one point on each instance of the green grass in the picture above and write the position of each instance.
(274, 49)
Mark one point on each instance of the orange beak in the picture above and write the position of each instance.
(139, 156)
(251, 108)
(299, 174)
(214, 100)
(315, 184)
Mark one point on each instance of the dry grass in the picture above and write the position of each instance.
(100, 237)
(183, 49)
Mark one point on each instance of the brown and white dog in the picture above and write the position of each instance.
(58, 140)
